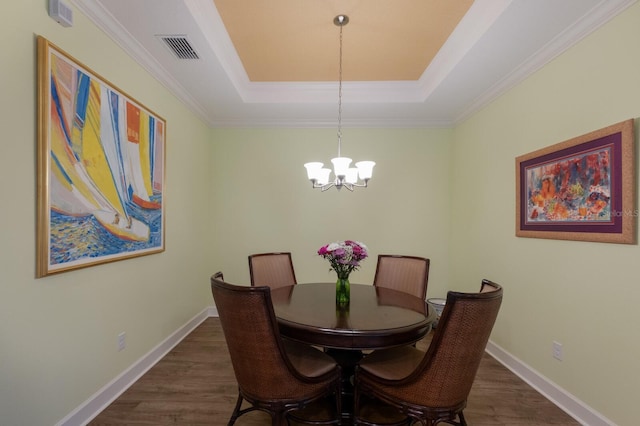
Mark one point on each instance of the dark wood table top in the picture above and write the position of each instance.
(376, 317)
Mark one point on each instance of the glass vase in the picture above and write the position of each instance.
(343, 292)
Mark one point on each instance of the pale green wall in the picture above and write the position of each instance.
(233, 192)
(58, 334)
(263, 201)
(584, 295)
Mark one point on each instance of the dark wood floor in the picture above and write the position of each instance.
(194, 385)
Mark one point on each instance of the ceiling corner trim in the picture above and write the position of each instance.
(595, 18)
(473, 25)
(210, 23)
(106, 22)
(384, 123)
(327, 92)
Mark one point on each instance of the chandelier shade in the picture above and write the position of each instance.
(344, 175)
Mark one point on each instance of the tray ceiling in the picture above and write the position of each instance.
(406, 63)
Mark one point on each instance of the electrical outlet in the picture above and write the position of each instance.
(557, 350)
(122, 341)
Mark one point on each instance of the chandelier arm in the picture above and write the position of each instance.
(325, 187)
(359, 185)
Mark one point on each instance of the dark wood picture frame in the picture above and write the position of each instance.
(580, 189)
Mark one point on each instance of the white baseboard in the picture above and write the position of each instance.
(112, 390)
(577, 409)
(82, 415)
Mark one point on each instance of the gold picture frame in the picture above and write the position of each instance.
(101, 169)
(580, 189)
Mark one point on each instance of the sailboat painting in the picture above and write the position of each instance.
(101, 160)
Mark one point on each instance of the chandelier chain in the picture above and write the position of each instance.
(340, 96)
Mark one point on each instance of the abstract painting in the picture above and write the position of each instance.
(580, 189)
(101, 161)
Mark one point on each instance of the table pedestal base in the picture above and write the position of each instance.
(347, 359)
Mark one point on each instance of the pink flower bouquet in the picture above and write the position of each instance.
(344, 256)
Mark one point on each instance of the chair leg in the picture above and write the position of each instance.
(356, 404)
(279, 418)
(236, 411)
(338, 391)
(463, 422)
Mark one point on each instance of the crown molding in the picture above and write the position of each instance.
(384, 123)
(106, 22)
(591, 21)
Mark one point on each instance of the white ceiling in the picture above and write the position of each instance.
(496, 45)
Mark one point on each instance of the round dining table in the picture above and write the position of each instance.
(375, 318)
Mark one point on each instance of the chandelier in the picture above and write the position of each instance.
(345, 176)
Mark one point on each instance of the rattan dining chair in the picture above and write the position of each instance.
(404, 273)
(433, 386)
(488, 286)
(272, 269)
(274, 375)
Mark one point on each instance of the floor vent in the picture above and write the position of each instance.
(180, 46)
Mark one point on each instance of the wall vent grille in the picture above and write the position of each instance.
(180, 46)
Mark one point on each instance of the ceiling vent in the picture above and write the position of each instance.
(180, 46)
